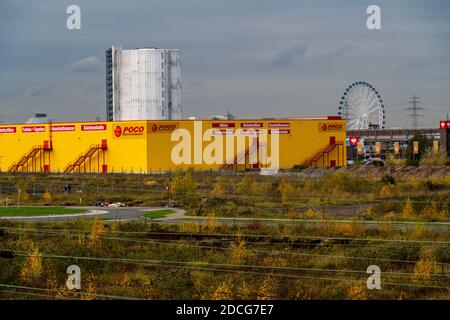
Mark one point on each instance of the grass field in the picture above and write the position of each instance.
(156, 214)
(37, 211)
(325, 254)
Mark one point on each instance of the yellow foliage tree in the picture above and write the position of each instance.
(418, 231)
(211, 223)
(219, 187)
(312, 214)
(431, 213)
(189, 227)
(243, 291)
(287, 190)
(388, 191)
(91, 287)
(408, 210)
(147, 286)
(238, 249)
(32, 267)
(424, 268)
(267, 291)
(357, 292)
(223, 292)
(97, 231)
(47, 197)
(52, 283)
(183, 184)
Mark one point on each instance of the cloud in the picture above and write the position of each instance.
(339, 51)
(38, 91)
(86, 65)
(301, 53)
(290, 55)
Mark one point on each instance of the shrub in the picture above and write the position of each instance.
(223, 291)
(287, 190)
(267, 291)
(299, 167)
(238, 250)
(189, 227)
(357, 292)
(388, 191)
(47, 197)
(32, 268)
(432, 213)
(388, 179)
(255, 225)
(211, 223)
(97, 231)
(368, 214)
(424, 268)
(408, 210)
(430, 158)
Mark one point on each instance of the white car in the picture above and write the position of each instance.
(376, 162)
(116, 205)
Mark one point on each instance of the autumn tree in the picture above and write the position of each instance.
(32, 268)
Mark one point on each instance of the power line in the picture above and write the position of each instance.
(194, 265)
(189, 264)
(71, 292)
(33, 294)
(414, 102)
(61, 231)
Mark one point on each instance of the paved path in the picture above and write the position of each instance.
(119, 214)
(179, 217)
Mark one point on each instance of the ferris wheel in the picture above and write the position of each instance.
(361, 105)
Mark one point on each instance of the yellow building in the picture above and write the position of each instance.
(148, 146)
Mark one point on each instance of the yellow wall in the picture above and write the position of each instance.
(140, 146)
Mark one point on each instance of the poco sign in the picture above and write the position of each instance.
(124, 131)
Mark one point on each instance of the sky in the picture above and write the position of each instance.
(255, 58)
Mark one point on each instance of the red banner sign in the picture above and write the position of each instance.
(223, 132)
(444, 124)
(280, 131)
(8, 129)
(251, 131)
(354, 140)
(93, 127)
(279, 125)
(63, 128)
(251, 125)
(223, 125)
(29, 129)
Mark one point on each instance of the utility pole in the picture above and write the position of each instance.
(414, 102)
(229, 115)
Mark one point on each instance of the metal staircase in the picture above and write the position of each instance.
(322, 154)
(242, 158)
(30, 159)
(86, 158)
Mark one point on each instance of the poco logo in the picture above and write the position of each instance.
(163, 127)
(334, 126)
(120, 131)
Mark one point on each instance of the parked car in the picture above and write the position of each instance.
(99, 203)
(116, 205)
(378, 162)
